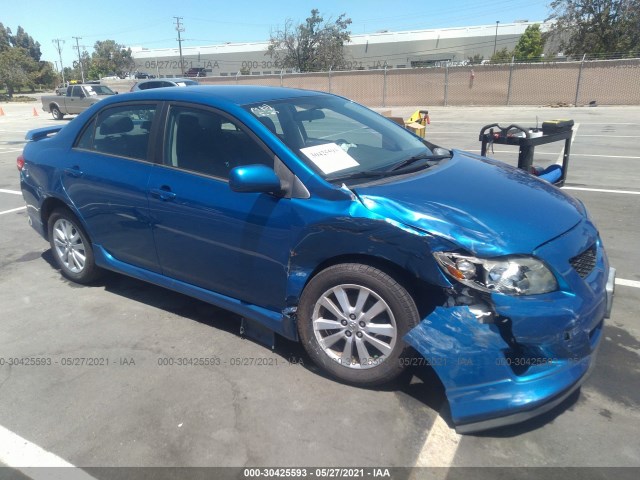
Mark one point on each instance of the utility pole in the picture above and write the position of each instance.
(59, 48)
(180, 28)
(77, 47)
(495, 38)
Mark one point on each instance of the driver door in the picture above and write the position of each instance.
(235, 244)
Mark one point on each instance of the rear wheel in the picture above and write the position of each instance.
(56, 113)
(71, 247)
(351, 320)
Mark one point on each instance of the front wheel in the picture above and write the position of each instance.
(351, 320)
(56, 113)
(71, 247)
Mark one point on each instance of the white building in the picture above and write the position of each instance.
(416, 48)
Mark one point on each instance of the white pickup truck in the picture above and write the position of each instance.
(77, 100)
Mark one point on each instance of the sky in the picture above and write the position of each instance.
(152, 24)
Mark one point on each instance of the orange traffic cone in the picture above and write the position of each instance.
(1, 112)
(35, 112)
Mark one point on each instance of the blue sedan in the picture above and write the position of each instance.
(316, 219)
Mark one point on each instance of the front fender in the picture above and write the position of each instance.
(356, 232)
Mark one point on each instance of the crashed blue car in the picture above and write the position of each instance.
(315, 218)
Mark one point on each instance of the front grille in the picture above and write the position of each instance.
(583, 264)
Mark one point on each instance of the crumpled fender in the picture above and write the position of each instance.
(357, 231)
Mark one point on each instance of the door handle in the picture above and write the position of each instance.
(74, 171)
(164, 193)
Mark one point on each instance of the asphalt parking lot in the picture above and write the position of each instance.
(259, 407)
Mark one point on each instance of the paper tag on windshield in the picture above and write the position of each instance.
(329, 157)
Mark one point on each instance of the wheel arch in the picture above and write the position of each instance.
(49, 205)
(426, 295)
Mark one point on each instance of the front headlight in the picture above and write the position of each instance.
(509, 275)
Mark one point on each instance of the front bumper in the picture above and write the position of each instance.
(539, 351)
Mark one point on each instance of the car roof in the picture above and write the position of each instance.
(236, 94)
(168, 79)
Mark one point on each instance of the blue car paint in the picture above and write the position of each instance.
(560, 332)
(465, 201)
(468, 203)
(461, 351)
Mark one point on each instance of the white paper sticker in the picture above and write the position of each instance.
(329, 157)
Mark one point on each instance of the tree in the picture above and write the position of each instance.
(23, 40)
(5, 38)
(45, 75)
(312, 46)
(110, 58)
(20, 63)
(598, 27)
(530, 45)
(502, 56)
(476, 59)
(15, 67)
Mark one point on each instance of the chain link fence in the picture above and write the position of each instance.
(606, 82)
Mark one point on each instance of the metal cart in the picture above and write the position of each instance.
(528, 139)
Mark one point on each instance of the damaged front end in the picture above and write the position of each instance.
(507, 357)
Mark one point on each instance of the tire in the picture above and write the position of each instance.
(56, 113)
(71, 247)
(352, 319)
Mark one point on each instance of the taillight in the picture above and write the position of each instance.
(20, 162)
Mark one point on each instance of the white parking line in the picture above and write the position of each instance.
(611, 136)
(19, 453)
(627, 283)
(529, 120)
(601, 190)
(560, 158)
(440, 447)
(14, 192)
(13, 210)
(603, 156)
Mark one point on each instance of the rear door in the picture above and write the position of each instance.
(236, 244)
(106, 176)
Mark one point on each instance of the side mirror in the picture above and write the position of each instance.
(254, 179)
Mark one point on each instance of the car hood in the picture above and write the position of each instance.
(485, 206)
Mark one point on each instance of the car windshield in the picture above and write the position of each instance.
(100, 90)
(185, 83)
(340, 139)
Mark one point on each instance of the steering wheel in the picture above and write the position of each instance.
(344, 144)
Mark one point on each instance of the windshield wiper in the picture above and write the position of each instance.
(415, 158)
(363, 174)
(394, 170)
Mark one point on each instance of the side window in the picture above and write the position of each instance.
(85, 142)
(121, 131)
(207, 142)
(269, 119)
(76, 91)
